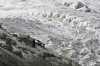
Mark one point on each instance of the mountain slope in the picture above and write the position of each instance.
(68, 28)
(15, 51)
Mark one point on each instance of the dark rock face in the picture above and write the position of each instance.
(3, 36)
(9, 47)
(13, 42)
(67, 4)
(20, 40)
(4, 46)
(8, 40)
(79, 5)
(87, 9)
(45, 54)
(25, 50)
(18, 53)
(15, 35)
(8, 60)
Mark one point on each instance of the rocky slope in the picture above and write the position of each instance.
(17, 51)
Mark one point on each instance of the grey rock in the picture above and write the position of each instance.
(18, 53)
(79, 5)
(3, 36)
(13, 42)
(8, 40)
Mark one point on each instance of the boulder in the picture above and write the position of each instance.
(67, 4)
(4, 46)
(45, 54)
(3, 36)
(79, 5)
(13, 42)
(87, 9)
(25, 50)
(15, 35)
(18, 53)
(8, 40)
(9, 48)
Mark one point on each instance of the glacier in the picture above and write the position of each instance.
(66, 30)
